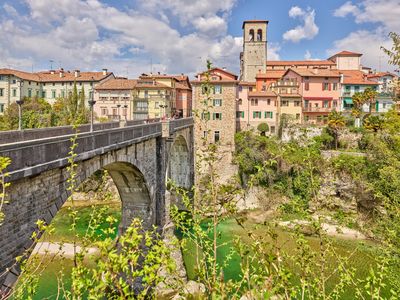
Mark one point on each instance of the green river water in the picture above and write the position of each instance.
(229, 229)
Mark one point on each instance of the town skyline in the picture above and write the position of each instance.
(177, 38)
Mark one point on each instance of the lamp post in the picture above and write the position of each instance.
(91, 104)
(20, 102)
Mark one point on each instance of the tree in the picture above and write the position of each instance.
(336, 121)
(358, 101)
(369, 97)
(394, 59)
(373, 123)
(263, 128)
(36, 113)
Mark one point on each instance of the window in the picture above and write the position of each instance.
(205, 116)
(204, 89)
(1, 92)
(325, 104)
(53, 94)
(268, 101)
(14, 92)
(43, 94)
(383, 105)
(217, 102)
(54, 84)
(272, 129)
(114, 111)
(14, 81)
(356, 88)
(240, 114)
(284, 103)
(240, 102)
(1, 77)
(251, 35)
(205, 134)
(254, 102)
(307, 86)
(146, 94)
(156, 105)
(334, 103)
(306, 118)
(217, 89)
(1, 107)
(216, 136)
(325, 86)
(297, 116)
(30, 93)
(296, 103)
(250, 88)
(256, 114)
(37, 93)
(217, 116)
(347, 88)
(104, 111)
(240, 88)
(29, 82)
(334, 86)
(306, 77)
(62, 93)
(259, 35)
(268, 114)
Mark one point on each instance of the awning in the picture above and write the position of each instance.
(348, 101)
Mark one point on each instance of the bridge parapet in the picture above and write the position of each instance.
(35, 156)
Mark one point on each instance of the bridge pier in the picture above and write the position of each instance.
(139, 159)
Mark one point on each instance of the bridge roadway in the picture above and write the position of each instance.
(139, 158)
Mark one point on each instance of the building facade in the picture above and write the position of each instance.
(49, 85)
(254, 55)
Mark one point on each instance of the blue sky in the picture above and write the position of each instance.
(131, 37)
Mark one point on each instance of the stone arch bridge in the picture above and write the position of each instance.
(139, 159)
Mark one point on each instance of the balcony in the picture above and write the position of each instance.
(318, 109)
(140, 109)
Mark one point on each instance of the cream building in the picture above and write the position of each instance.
(48, 85)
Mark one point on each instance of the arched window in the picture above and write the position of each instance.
(259, 35)
(251, 35)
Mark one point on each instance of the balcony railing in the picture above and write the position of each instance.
(317, 109)
(140, 109)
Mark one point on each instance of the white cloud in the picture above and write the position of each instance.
(383, 12)
(345, 9)
(372, 55)
(273, 51)
(306, 31)
(308, 56)
(92, 35)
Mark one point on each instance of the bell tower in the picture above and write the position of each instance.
(254, 55)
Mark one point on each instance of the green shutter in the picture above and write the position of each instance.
(271, 114)
(220, 116)
(265, 114)
(242, 114)
(213, 116)
(254, 114)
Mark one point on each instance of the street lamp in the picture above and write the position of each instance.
(91, 104)
(20, 102)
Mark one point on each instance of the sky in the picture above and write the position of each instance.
(130, 37)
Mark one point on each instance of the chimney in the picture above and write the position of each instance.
(104, 72)
(52, 72)
(61, 73)
(77, 73)
(154, 81)
(224, 68)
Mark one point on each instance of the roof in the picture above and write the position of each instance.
(300, 63)
(271, 74)
(195, 82)
(289, 95)
(54, 76)
(219, 69)
(247, 83)
(347, 53)
(356, 77)
(380, 74)
(142, 83)
(117, 84)
(314, 72)
(262, 94)
(182, 86)
(254, 21)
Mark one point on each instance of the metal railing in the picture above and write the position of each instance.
(317, 109)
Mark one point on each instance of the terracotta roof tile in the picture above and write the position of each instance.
(300, 63)
(315, 72)
(356, 77)
(347, 53)
(117, 84)
(262, 94)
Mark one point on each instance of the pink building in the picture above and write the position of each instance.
(254, 108)
(320, 89)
